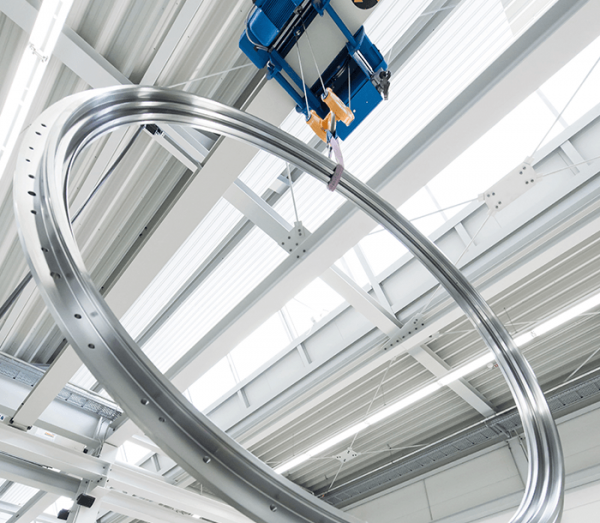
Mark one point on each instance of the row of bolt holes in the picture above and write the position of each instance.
(526, 183)
(56, 276)
(31, 193)
(289, 238)
(409, 332)
(206, 459)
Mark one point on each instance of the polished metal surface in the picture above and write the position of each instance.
(48, 152)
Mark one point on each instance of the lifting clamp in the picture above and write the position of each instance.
(337, 111)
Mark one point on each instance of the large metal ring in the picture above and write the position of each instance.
(49, 149)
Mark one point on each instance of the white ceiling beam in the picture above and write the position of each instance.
(87, 63)
(562, 33)
(528, 63)
(26, 473)
(139, 509)
(439, 368)
(362, 301)
(26, 450)
(33, 508)
(9, 508)
(375, 284)
(219, 172)
(46, 389)
(257, 210)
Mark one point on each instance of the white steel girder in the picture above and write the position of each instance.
(497, 93)
(33, 508)
(518, 224)
(98, 72)
(543, 49)
(23, 450)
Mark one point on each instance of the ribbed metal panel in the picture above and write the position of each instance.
(497, 429)
(29, 375)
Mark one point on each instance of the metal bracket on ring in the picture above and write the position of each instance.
(130, 378)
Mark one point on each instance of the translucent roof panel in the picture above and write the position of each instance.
(560, 88)
(312, 304)
(212, 385)
(255, 257)
(211, 231)
(381, 249)
(495, 154)
(258, 348)
(132, 453)
(58, 505)
(18, 494)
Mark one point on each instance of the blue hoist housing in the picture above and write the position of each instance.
(358, 74)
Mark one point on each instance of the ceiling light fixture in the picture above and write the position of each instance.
(46, 30)
(389, 411)
(559, 320)
(452, 376)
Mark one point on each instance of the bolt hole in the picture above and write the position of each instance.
(44, 249)
(31, 176)
(78, 316)
(27, 160)
(39, 134)
(43, 125)
(91, 346)
(31, 148)
(161, 419)
(31, 193)
(33, 212)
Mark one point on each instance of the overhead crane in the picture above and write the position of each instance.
(348, 76)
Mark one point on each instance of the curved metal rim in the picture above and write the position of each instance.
(49, 150)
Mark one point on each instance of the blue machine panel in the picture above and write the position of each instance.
(363, 102)
(358, 72)
(269, 18)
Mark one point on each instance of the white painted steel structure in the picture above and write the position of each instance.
(532, 260)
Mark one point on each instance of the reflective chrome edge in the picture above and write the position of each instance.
(48, 151)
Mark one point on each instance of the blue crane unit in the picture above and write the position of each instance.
(358, 75)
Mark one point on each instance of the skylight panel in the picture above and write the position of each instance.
(61, 503)
(201, 243)
(258, 348)
(560, 88)
(381, 249)
(212, 385)
(496, 153)
(255, 257)
(19, 494)
(132, 453)
(391, 20)
(312, 304)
